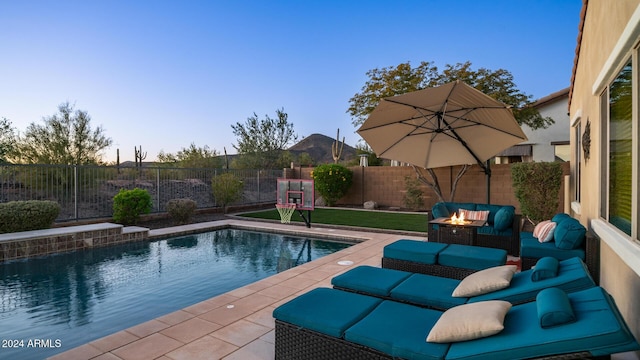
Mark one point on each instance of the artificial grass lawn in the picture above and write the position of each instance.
(369, 219)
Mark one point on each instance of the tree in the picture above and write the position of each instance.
(7, 140)
(537, 186)
(391, 81)
(403, 78)
(192, 157)
(64, 138)
(261, 142)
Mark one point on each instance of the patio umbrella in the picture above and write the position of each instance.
(452, 124)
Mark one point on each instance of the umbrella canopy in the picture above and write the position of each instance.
(452, 124)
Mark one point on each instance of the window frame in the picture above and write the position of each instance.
(605, 131)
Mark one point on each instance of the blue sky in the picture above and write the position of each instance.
(165, 74)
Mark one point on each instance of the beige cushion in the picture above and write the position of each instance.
(470, 321)
(485, 281)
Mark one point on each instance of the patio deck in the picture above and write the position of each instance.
(237, 324)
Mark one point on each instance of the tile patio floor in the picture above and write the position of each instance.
(237, 324)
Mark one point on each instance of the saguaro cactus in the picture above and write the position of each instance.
(118, 160)
(336, 148)
(139, 156)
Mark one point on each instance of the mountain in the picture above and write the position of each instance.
(318, 146)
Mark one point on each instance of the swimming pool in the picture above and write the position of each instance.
(53, 304)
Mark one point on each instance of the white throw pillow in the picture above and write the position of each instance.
(470, 321)
(485, 281)
(474, 215)
(544, 231)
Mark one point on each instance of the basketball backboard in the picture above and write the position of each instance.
(296, 191)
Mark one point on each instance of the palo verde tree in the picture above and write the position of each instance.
(262, 143)
(403, 78)
(192, 157)
(65, 138)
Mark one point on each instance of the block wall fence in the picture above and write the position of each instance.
(386, 185)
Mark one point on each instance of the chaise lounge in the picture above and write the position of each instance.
(332, 324)
(498, 283)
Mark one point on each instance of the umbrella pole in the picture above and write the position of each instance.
(487, 171)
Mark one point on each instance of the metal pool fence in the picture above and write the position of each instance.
(86, 192)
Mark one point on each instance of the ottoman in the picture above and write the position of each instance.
(413, 256)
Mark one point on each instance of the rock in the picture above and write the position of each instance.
(370, 205)
(320, 201)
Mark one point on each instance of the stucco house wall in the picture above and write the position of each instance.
(555, 107)
(541, 140)
(609, 32)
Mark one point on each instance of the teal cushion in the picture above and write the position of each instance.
(554, 308)
(399, 330)
(493, 209)
(334, 311)
(545, 268)
(371, 280)
(559, 217)
(569, 234)
(599, 329)
(429, 291)
(530, 247)
(472, 257)
(572, 276)
(414, 250)
(504, 218)
(440, 210)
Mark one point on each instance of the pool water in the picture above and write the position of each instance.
(52, 304)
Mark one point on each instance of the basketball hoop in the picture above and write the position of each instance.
(285, 211)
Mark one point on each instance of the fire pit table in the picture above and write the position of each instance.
(462, 232)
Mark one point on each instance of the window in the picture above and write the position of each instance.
(618, 100)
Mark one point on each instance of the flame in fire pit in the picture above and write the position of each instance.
(458, 220)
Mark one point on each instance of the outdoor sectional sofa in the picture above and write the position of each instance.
(333, 324)
(570, 239)
(569, 275)
(502, 230)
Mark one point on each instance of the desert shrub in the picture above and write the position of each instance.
(128, 205)
(413, 197)
(537, 188)
(181, 210)
(227, 189)
(332, 181)
(28, 215)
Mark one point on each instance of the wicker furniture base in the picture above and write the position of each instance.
(511, 244)
(429, 269)
(296, 343)
(457, 235)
